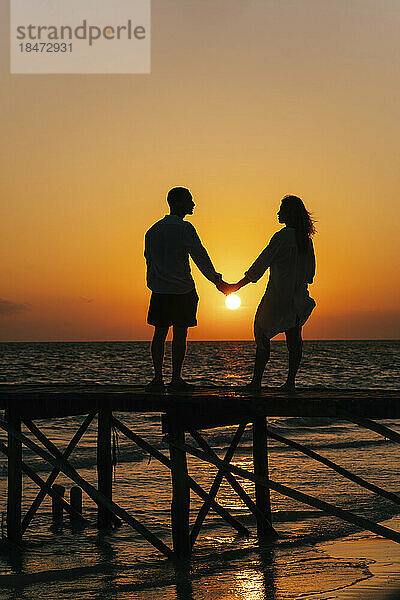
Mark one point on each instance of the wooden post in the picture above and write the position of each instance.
(235, 485)
(104, 466)
(75, 496)
(53, 475)
(14, 495)
(260, 461)
(216, 483)
(222, 512)
(57, 460)
(180, 506)
(56, 506)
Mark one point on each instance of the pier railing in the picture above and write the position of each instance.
(182, 416)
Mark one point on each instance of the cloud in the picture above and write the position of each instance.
(12, 308)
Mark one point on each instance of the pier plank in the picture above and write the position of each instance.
(205, 407)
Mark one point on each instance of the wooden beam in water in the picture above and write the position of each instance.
(368, 424)
(44, 489)
(91, 491)
(341, 470)
(180, 506)
(216, 485)
(260, 461)
(330, 509)
(57, 506)
(235, 485)
(14, 490)
(104, 466)
(75, 496)
(220, 510)
(56, 452)
(44, 485)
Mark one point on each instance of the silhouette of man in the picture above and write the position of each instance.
(168, 244)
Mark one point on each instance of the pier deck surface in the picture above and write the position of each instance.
(207, 406)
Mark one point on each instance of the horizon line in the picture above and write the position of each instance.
(190, 341)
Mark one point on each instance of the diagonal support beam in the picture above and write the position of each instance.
(341, 470)
(372, 425)
(220, 510)
(251, 505)
(54, 474)
(43, 485)
(56, 452)
(330, 509)
(99, 499)
(216, 485)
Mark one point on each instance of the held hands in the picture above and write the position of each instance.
(230, 288)
(227, 288)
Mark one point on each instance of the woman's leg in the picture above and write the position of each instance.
(262, 357)
(294, 344)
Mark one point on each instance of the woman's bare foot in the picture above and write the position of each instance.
(287, 387)
(252, 386)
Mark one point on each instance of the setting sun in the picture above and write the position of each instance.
(233, 301)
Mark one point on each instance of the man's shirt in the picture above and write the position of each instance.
(168, 244)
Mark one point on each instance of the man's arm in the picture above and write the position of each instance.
(200, 256)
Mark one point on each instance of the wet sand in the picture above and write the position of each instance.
(382, 559)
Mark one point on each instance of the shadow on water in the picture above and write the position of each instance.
(252, 579)
(183, 585)
(256, 581)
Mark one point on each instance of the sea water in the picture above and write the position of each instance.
(72, 563)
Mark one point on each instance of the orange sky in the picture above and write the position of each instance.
(246, 102)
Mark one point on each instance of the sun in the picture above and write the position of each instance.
(233, 301)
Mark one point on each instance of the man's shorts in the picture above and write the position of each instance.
(173, 309)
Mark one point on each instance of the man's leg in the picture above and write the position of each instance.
(157, 352)
(262, 357)
(294, 344)
(178, 352)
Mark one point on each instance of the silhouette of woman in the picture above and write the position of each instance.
(286, 304)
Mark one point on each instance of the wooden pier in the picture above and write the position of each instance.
(181, 416)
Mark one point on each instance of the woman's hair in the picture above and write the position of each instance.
(296, 215)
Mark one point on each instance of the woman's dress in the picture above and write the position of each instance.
(286, 302)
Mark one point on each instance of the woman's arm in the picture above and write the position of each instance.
(230, 288)
(234, 287)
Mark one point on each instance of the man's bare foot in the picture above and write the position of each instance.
(180, 385)
(155, 386)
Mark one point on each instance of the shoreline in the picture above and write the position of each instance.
(360, 566)
(382, 559)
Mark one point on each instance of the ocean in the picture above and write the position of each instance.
(73, 563)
